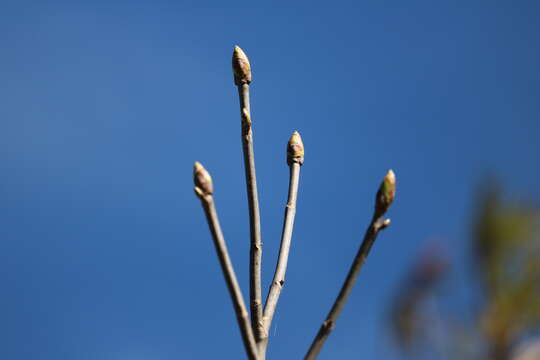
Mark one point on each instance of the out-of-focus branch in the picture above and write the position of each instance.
(204, 190)
(242, 79)
(295, 159)
(383, 200)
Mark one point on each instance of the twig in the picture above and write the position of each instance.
(242, 79)
(295, 158)
(204, 190)
(384, 198)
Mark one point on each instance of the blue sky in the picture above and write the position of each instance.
(105, 253)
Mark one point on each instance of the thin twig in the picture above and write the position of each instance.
(384, 198)
(242, 79)
(204, 190)
(295, 158)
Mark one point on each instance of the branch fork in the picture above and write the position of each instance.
(254, 329)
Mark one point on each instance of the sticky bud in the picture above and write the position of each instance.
(386, 193)
(295, 149)
(202, 180)
(241, 67)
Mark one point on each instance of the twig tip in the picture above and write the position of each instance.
(202, 180)
(295, 149)
(386, 194)
(241, 67)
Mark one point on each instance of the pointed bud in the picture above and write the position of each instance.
(295, 149)
(246, 123)
(386, 193)
(202, 180)
(241, 67)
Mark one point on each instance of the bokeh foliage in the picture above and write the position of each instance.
(505, 245)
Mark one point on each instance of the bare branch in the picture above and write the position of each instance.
(242, 78)
(204, 190)
(295, 158)
(383, 200)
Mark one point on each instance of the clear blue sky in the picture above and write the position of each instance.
(104, 250)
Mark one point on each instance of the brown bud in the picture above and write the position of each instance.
(246, 123)
(241, 67)
(387, 192)
(295, 149)
(202, 180)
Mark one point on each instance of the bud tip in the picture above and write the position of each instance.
(295, 149)
(386, 193)
(391, 177)
(202, 180)
(241, 66)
